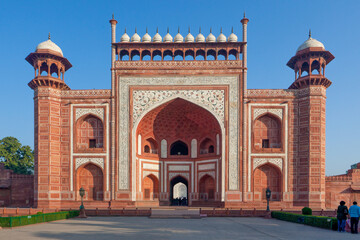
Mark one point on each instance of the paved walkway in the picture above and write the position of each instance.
(145, 228)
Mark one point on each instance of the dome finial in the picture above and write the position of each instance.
(157, 29)
(168, 30)
(199, 29)
(221, 30)
(178, 29)
(210, 30)
(125, 29)
(309, 33)
(146, 30)
(135, 30)
(49, 37)
(113, 16)
(232, 29)
(244, 14)
(189, 29)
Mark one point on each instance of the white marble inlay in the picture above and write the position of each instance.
(260, 161)
(154, 166)
(207, 166)
(99, 112)
(276, 111)
(179, 168)
(81, 161)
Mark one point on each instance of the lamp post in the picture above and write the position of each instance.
(268, 195)
(82, 208)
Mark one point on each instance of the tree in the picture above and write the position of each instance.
(16, 157)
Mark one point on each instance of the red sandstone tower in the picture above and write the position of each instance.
(309, 65)
(50, 66)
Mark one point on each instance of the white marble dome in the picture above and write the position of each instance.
(157, 37)
(210, 37)
(311, 42)
(146, 37)
(221, 37)
(232, 37)
(168, 37)
(178, 38)
(49, 45)
(189, 37)
(200, 37)
(135, 37)
(125, 37)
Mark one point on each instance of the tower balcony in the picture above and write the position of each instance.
(311, 80)
(48, 81)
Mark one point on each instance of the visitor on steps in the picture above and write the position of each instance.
(342, 213)
(354, 212)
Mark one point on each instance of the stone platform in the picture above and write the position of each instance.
(187, 213)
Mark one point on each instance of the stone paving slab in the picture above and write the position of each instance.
(182, 229)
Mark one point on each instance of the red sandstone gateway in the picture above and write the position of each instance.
(179, 126)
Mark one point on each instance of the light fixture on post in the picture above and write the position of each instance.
(82, 208)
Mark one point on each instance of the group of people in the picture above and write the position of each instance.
(182, 201)
(353, 213)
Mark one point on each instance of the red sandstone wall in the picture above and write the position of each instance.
(16, 190)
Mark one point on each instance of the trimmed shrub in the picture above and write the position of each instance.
(37, 218)
(306, 211)
(315, 221)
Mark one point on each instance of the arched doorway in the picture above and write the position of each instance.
(150, 187)
(179, 191)
(90, 177)
(207, 188)
(265, 176)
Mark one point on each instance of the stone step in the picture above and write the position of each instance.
(176, 213)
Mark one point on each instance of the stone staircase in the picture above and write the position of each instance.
(176, 213)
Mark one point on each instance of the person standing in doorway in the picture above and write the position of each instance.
(354, 212)
(342, 213)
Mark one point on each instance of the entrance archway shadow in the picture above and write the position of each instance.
(179, 191)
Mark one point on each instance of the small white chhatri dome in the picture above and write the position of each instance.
(135, 37)
(49, 45)
(200, 37)
(189, 37)
(146, 37)
(211, 37)
(168, 37)
(178, 38)
(157, 37)
(221, 37)
(125, 37)
(311, 42)
(232, 37)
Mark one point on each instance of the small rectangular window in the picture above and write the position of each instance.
(92, 143)
(265, 143)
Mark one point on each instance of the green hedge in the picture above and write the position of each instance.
(316, 221)
(37, 218)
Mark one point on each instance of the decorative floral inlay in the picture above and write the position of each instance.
(276, 111)
(260, 161)
(214, 99)
(81, 161)
(96, 111)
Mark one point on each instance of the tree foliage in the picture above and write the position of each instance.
(15, 156)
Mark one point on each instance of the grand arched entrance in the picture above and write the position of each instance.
(179, 191)
(90, 177)
(186, 140)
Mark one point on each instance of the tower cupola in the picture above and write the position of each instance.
(309, 64)
(49, 64)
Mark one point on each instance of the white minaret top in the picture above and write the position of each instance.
(189, 37)
(210, 37)
(157, 37)
(200, 37)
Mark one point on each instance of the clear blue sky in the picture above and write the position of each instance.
(275, 30)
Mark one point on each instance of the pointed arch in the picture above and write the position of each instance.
(91, 178)
(150, 187)
(207, 187)
(89, 132)
(267, 175)
(267, 132)
(179, 148)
